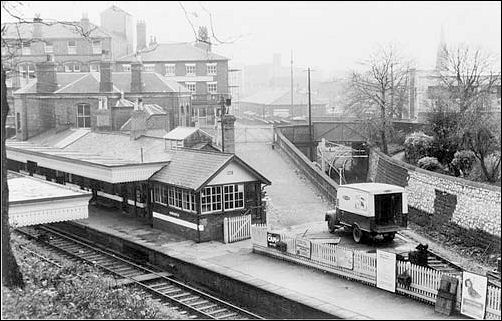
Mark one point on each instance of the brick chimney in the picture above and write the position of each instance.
(46, 76)
(84, 22)
(136, 81)
(37, 26)
(138, 120)
(105, 73)
(229, 133)
(141, 35)
(103, 115)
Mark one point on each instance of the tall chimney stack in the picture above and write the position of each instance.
(105, 73)
(37, 26)
(136, 81)
(141, 35)
(46, 76)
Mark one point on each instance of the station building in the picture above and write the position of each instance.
(182, 190)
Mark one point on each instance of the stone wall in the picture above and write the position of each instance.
(443, 201)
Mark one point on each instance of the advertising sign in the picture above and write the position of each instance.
(303, 247)
(272, 239)
(344, 258)
(473, 295)
(386, 270)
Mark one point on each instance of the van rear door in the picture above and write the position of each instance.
(388, 208)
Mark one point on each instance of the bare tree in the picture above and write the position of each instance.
(379, 92)
(467, 86)
(11, 274)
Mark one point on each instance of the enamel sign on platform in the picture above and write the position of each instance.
(473, 295)
(386, 271)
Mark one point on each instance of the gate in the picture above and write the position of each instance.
(236, 228)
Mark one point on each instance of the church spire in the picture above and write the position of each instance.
(441, 55)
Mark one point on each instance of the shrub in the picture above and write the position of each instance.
(74, 291)
(476, 173)
(430, 164)
(463, 160)
(416, 146)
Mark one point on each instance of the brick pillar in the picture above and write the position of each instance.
(229, 133)
(105, 76)
(138, 121)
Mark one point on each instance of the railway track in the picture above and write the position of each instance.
(191, 302)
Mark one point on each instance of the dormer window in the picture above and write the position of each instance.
(190, 69)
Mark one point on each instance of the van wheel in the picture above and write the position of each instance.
(357, 234)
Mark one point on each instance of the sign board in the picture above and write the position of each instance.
(326, 240)
(474, 288)
(272, 239)
(344, 258)
(303, 247)
(386, 270)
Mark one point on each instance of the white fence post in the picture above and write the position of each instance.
(225, 230)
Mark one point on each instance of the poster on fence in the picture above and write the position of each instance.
(386, 270)
(473, 295)
(344, 258)
(272, 239)
(303, 247)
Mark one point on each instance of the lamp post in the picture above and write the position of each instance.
(222, 114)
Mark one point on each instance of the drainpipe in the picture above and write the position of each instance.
(197, 197)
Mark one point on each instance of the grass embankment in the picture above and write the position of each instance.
(73, 291)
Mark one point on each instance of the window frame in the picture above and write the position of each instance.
(83, 115)
(25, 48)
(72, 50)
(187, 66)
(170, 69)
(149, 67)
(49, 45)
(97, 50)
(210, 71)
(211, 83)
(194, 84)
(126, 67)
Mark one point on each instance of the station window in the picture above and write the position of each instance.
(210, 199)
(233, 196)
(181, 199)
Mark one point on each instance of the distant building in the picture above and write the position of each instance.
(277, 103)
(119, 24)
(195, 66)
(102, 100)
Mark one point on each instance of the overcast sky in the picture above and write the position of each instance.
(325, 35)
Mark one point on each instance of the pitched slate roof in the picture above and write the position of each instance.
(68, 29)
(192, 169)
(150, 109)
(88, 82)
(281, 97)
(166, 52)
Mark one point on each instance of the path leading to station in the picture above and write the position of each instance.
(293, 200)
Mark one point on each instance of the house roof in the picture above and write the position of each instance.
(167, 52)
(88, 82)
(281, 97)
(193, 169)
(49, 30)
(150, 109)
(181, 133)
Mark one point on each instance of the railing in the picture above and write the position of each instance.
(336, 259)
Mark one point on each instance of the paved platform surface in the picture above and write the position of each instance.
(315, 288)
(294, 205)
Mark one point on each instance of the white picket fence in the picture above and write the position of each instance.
(424, 285)
(237, 228)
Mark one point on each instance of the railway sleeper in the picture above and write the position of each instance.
(218, 311)
(228, 315)
(198, 303)
(192, 297)
(207, 307)
(162, 287)
(171, 291)
(181, 295)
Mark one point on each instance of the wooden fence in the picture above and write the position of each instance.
(236, 228)
(424, 281)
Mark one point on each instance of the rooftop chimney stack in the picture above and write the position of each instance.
(105, 73)
(86, 25)
(46, 76)
(37, 26)
(141, 35)
(136, 81)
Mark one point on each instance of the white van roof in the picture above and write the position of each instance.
(375, 188)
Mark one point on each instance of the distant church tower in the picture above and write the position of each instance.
(441, 55)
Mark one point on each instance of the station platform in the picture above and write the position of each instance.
(322, 291)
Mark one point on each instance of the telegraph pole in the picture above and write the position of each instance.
(310, 120)
(292, 108)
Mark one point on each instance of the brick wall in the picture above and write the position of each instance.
(439, 200)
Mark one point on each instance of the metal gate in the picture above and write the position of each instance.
(254, 134)
(236, 228)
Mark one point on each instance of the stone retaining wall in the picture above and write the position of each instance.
(440, 199)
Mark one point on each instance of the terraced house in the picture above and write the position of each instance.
(193, 65)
